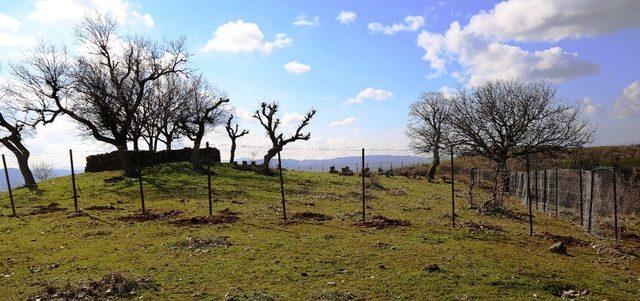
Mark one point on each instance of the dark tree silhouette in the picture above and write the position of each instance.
(12, 130)
(234, 133)
(267, 117)
(502, 120)
(205, 110)
(103, 89)
(428, 127)
(171, 106)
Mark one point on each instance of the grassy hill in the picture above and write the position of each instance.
(248, 253)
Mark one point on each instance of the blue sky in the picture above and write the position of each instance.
(590, 49)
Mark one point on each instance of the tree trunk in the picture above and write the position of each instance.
(196, 161)
(497, 192)
(128, 165)
(233, 151)
(267, 159)
(23, 164)
(434, 165)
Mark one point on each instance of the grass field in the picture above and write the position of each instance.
(257, 257)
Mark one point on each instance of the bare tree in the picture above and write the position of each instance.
(502, 120)
(205, 110)
(267, 117)
(234, 133)
(428, 126)
(43, 171)
(104, 88)
(171, 108)
(13, 127)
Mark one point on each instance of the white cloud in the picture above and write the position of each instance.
(291, 118)
(8, 26)
(410, 23)
(296, 67)
(370, 93)
(240, 36)
(301, 20)
(589, 107)
(346, 17)
(448, 91)
(629, 102)
(346, 121)
(554, 20)
(244, 115)
(51, 11)
(486, 59)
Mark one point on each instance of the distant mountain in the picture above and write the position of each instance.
(372, 161)
(16, 177)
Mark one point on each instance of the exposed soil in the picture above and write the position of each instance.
(381, 222)
(225, 216)
(111, 286)
(336, 296)
(567, 240)
(52, 207)
(149, 216)
(114, 180)
(310, 216)
(103, 208)
(482, 227)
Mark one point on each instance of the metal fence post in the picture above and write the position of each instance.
(591, 199)
(581, 199)
(453, 191)
(6, 175)
(556, 191)
(544, 192)
(615, 206)
(73, 182)
(144, 211)
(535, 178)
(363, 191)
(529, 197)
(209, 183)
(284, 205)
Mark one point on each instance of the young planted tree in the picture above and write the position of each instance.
(503, 120)
(205, 110)
(428, 127)
(234, 133)
(13, 127)
(267, 117)
(103, 88)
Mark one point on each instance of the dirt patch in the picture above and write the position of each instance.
(103, 208)
(202, 244)
(508, 214)
(225, 216)
(252, 296)
(381, 222)
(336, 296)
(310, 216)
(114, 180)
(397, 192)
(114, 285)
(98, 233)
(149, 216)
(482, 227)
(567, 240)
(52, 207)
(565, 290)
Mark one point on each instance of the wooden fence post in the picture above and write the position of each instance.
(144, 210)
(581, 199)
(556, 191)
(209, 183)
(453, 191)
(6, 175)
(284, 204)
(535, 178)
(591, 199)
(545, 189)
(73, 182)
(529, 197)
(615, 206)
(363, 190)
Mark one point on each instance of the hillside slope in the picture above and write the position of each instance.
(251, 255)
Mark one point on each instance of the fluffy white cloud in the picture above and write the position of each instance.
(484, 59)
(629, 102)
(240, 36)
(8, 26)
(296, 67)
(410, 23)
(589, 107)
(370, 93)
(346, 17)
(346, 121)
(301, 20)
(553, 20)
(51, 11)
(291, 118)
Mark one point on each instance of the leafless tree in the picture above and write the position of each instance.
(13, 127)
(234, 133)
(171, 107)
(267, 117)
(103, 88)
(205, 110)
(43, 171)
(502, 120)
(428, 126)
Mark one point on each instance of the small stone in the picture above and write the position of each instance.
(304, 274)
(331, 283)
(431, 268)
(558, 248)
(382, 267)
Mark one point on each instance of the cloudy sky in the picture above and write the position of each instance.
(362, 63)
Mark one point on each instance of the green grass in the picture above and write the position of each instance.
(301, 261)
